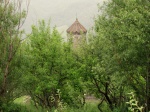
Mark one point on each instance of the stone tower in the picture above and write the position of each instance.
(77, 32)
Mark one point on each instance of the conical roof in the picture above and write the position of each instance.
(76, 28)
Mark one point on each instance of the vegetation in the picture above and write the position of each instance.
(130, 42)
(11, 19)
(43, 73)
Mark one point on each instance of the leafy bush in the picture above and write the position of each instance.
(133, 104)
(11, 107)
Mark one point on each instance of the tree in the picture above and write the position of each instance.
(11, 20)
(99, 70)
(125, 25)
(51, 71)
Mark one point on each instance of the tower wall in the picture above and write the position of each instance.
(76, 39)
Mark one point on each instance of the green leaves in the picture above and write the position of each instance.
(11, 20)
(124, 27)
(133, 104)
(52, 66)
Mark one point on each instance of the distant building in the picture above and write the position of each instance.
(76, 32)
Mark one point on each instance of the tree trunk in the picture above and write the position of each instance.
(148, 90)
(99, 105)
(3, 89)
(109, 102)
(148, 85)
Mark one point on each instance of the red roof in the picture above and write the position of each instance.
(76, 28)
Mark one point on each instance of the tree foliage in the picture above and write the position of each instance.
(114, 62)
(122, 30)
(51, 69)
(11, 20)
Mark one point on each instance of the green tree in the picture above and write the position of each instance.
(11, 20)
(125, 25)
(99, 69)
(51, 68)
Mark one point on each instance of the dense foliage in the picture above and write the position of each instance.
(51, 68)
(125, 25)
(10, 37)
(113, 65)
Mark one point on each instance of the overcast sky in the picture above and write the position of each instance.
(62, 12)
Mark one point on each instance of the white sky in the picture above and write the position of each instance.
(62, 12)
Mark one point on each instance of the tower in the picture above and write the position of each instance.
(77, 32)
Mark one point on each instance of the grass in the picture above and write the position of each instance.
(21, 100)
(25, 101)
(90, 106)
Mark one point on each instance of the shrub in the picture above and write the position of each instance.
(12, 107)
